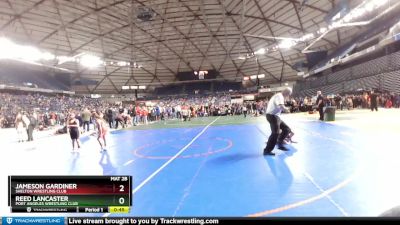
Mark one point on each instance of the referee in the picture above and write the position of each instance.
(275, 106)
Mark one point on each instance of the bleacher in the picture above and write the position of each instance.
(381, 73)
(169, 90)
(226, 86)
(202, 87)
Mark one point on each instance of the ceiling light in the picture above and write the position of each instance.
(287, 44)
(347, 18)
(337, 16)
(260, 51)
(261, 76)
(253, 77)
(5, 42)
(357, 12)
(379, 3)
(134, 87)
(90, 61)
(10, 50)
(28, 53)
(343, 20)
(245, 78)
(125, 87)
(142, 87)
(47, 56)
(121, 63)
(306, 37)
(323, 29)
(370, 6)
(64, 59)
(6, 47)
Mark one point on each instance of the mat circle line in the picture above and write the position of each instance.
(137, 150)
(310, 199)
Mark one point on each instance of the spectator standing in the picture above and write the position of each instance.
(373, 101)
(338, 102)
(32, 125)
(320, 105)
(26, 122)
(86, 119)
(110, 117)
(73, 129)
(19, 125)
(244, 109)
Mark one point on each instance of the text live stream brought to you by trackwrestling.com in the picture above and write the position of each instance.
(105, 221)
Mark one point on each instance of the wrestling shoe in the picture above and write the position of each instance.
(283, 148)
(268, 152)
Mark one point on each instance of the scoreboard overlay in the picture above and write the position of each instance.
(75, 194)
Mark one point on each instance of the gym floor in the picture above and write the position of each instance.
(214, 166)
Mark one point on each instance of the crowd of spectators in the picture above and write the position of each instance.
(346, 101)
(51, 110)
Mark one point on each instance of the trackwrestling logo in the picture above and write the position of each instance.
(33, 220)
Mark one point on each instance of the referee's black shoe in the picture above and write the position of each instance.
(268, 152)
(283, 148)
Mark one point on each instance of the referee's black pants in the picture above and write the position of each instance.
(374, 105)
(29, 131)
(321, 113)
(276, 125)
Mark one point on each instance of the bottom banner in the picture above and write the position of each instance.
(182, 220)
